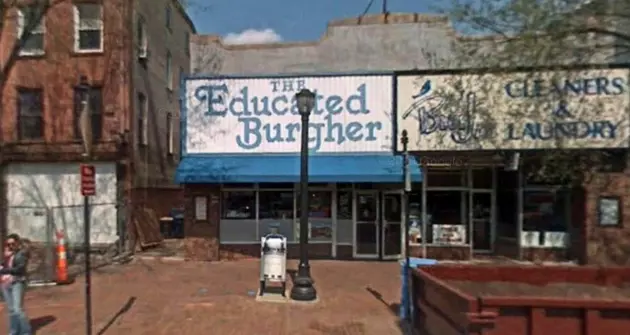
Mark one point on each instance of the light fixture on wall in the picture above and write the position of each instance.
(512, 161)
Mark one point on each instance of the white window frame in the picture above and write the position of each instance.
(169, 70)
(143, 42)
(170, 145)
(143, 109)
(77, 27)
(40, 29)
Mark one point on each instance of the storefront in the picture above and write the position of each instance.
(240, 166)
(478, 137)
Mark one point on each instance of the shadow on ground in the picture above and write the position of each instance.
(41, 322)
(394, 308)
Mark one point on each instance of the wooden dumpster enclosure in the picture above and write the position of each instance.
(514, 300)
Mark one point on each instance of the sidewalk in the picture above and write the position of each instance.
(148, 297)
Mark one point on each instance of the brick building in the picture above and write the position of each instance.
(133, 54)
(227, 212)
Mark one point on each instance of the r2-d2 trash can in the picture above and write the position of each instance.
(273, 261)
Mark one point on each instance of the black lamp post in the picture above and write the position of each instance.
(85, 128)
(303, 289)
(404, 140)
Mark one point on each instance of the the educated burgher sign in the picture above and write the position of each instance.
(520, 110)
(259, 115)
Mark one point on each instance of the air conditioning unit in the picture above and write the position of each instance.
(143, 52)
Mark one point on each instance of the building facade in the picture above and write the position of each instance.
(241, 165)
(495, 210)
(125, 49)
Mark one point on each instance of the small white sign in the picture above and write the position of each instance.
(449, 234)
(201, 208)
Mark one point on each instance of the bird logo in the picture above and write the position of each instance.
(423, 103)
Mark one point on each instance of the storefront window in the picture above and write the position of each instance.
(319, 215)
(238, 216)
(545, 218)
(275, 210)
(445, 216)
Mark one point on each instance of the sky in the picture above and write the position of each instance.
(268, 21)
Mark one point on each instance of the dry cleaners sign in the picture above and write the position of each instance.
(259, 115)
(577, 109)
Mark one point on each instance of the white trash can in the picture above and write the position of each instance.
(273, 261)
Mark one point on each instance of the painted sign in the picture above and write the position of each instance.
(538, 110)
(449, 234)
(259, 115)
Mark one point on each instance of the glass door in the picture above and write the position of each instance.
(393, 214)
(366, 234)
(482, 218)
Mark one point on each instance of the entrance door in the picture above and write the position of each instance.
(393, 214)
(366, 234)
(482, 221)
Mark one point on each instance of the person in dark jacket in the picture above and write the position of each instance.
(13, 278)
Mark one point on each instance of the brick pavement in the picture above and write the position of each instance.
(153, 297)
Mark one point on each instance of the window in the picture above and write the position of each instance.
(169, 134)
(95, 100)
(238, 217)
(30, 114)
(545, 218)
(168, 17)
(320, 204)
(143, 127)
(187, 42)
(182, 75)
(141, 36)
(88, 27)
(31, 20)
(238, 205)
(169, 70)
(276, 205)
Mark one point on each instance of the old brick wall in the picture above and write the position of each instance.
(58, 72)
(607, 245)
(202, 237)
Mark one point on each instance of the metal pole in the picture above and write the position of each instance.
(303, 289)
(425, 217)
(407, 175)
(304, 268)
(86, 220)
(88, 274)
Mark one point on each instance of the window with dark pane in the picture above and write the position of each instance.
(30, 116)
(31, 21)
(89, 26)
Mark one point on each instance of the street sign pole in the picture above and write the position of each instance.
(88, 188)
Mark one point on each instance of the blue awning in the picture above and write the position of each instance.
(286, 169)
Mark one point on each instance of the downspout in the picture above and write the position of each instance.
(130, 238)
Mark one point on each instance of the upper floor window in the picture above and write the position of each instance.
(30, 21)
(187, 41)
(30, 114)
(168, 17)
(143, 115)
(95, 100)
(169, 70)
(170, 138)
(182, 75)
(141, 35)
(88, 27)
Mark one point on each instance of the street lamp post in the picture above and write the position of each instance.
(85, 128)
(303, 289)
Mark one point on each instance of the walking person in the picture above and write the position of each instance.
(13, 280)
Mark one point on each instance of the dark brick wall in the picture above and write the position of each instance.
(605, 245)
(202, 237)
